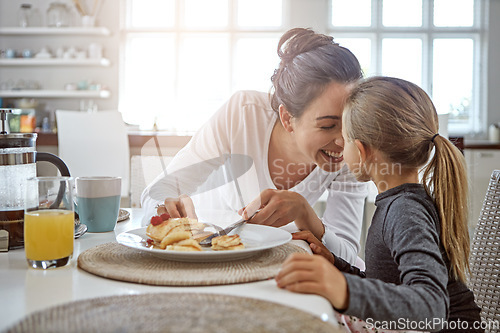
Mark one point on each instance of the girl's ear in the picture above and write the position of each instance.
(364, 151)
(285, 118)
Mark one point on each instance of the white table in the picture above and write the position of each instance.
(24, 290)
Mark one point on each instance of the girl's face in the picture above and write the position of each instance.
(318, 132)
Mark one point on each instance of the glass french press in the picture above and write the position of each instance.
(17, 163)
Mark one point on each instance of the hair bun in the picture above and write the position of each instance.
(300, 40)
(309, 62)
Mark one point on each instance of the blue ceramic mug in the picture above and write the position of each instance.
(10, 53)
(27, 53)
(98, 202)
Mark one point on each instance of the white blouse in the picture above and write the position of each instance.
(233, 145)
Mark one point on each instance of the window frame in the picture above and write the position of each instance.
(180, 31)
(428, 32)
(319, 17)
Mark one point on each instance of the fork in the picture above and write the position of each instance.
(216, 227)
(208, 241)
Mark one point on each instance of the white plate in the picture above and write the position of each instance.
(256, 238)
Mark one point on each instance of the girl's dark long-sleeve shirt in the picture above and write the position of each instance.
(407, 271)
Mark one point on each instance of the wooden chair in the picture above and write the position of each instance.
(485, 254)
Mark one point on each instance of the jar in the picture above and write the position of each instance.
(23, 15)
(57, 15)
(494, 132)
(35, 19)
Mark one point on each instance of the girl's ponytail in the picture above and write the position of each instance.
(445, 178)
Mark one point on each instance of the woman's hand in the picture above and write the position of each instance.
(178, 207)
(315, 244)
(313, 274)
(278, 208)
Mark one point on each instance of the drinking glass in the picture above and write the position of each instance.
(49, 221)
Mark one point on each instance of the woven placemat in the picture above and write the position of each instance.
(118, 262)
(172, 312)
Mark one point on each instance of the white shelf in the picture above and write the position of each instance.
(55, 62)
(55, 93)
(54, 31)
(64, 64)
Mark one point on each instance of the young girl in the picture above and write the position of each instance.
(417, 247)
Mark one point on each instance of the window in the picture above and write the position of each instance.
(184, 58)
(433, 43)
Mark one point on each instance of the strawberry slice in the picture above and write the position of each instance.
(155, 220)
(165, 216)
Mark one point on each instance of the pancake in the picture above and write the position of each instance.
(226, 243)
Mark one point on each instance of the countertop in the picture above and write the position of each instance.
(25, 290)
(168, 139)
(136, 139)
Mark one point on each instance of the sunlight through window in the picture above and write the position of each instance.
(453, 77)
(260, 13)
(178, 79)
(149, 86)
(431, 43)
(255, 61)
(184, 58)
(152, 13)
(453, 13)
(402, 57)
(397, 13)
(205, 13)
(203, 79)
(351, 13)
(361, 47)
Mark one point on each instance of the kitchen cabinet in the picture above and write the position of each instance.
(480, 164)
(47, 69)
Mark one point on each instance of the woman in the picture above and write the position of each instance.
(277, 153)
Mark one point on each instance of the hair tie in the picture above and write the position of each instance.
(433, 137)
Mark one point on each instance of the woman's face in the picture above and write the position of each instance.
(318, 132)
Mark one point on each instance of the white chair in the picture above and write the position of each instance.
(94, 144)
(485, 254)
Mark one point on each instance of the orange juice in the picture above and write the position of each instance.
(48, 234)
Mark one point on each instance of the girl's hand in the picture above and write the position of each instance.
(316, 246)
(313, 274)
(278, 208)
(178, 207)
